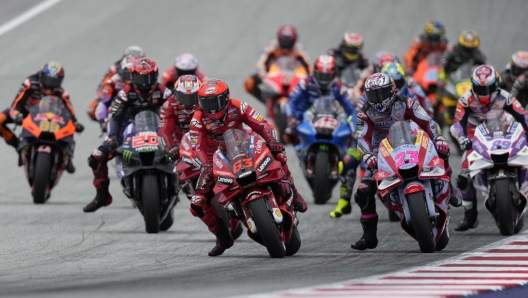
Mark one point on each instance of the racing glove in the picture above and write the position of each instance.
(78, 127)
(292, 122)
(275, 147)
(441, 146)
(173, 152)
(112, 143)
(465, 143)
(205, 180)
(18, 118)
(371, 161)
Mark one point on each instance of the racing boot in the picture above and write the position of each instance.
(369, 222)
(343, 205)
(223, 238)
(470, 220)
(299, 204)
(102, 198)
(70, 168)
(455, 199)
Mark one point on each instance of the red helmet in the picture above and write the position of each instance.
(185, 91)
(145, 75)
(213, 97)
(324, 70)
(287, 35)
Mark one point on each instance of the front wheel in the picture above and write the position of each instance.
(41, 178)
(150, 196)
(295, 242)
(421, 222)
(504, 207)
(168, 221)
(321, 180)
(267, 228)
(443, 241)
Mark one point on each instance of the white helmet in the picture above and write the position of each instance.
(134, 51)
(185, 64)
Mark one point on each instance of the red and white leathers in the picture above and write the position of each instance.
(274, 51)
(469, 114)
(170, 76)
(175, 121)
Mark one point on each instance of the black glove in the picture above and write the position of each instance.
(275, 147)
(173, 152)
(112, 143)
(19, 117)
(78, 127)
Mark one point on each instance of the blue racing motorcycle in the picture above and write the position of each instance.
(325, 137)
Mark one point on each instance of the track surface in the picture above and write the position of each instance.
(57, 250)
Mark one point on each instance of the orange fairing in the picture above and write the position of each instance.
(67, 130)
(299, 70)
(30, 126)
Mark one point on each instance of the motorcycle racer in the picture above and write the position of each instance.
(217, 114)
(517, 66)
(431, 40)
(483, 101)
(323, 83)
(349, 52)
(142, 94)
(134, 51)
(285, 44)
(177, 112)
(185, 64)
(45, 82)
(384, 108)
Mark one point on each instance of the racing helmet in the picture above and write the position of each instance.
(434, 31)
(518, 63)
(186, 91)
(351, 46)
(51, 77)
(125, 72)
(324, 70)
(145, 75)
(185, 64)
(381, 58)
(468, 41)
(213, 98)
(379, 90)
(396, 73)
(134, 51)
(485, 81)
(287, 36)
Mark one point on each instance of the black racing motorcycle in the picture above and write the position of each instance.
(149, 173)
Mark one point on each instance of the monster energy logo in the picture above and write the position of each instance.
(127, 154)
(323, 147)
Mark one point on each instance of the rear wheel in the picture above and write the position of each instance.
(295, 242)
(41, 178)
(150, 195)
(267, 228)
(504, 207)
(421, 222)
(321, 182)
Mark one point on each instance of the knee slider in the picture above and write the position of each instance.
(462, 180)
(196, 211)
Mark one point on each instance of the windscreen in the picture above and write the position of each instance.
(146, 121)
(287, 63)
(51, 104)
(350, 76)
(463, 73)
(434, 58)
(401, 133)
(497, 126)
(326, 106)
(236, 142)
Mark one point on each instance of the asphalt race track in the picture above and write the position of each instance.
(56, 250)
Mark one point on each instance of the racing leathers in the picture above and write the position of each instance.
(109, 91)
(206, 136)
(302, 97)
(342, 63)
(270, 54)
(126, 105)
(29, 94)
(420, 48)
(170, 76)
(373, 127)
(469, 114)
(112, 70)
(453, 58)
(520, 89)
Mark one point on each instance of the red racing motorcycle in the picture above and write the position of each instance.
(250, 187)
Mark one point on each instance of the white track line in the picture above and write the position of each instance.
(27, 15)
(494, 267)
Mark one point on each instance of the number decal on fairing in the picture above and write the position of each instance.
(504, 145)
(140, 141)
(246, 162)
(401, 157)
(326, 123)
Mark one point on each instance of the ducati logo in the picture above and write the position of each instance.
(210, 90)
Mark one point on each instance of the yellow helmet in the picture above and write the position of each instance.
(469, 39)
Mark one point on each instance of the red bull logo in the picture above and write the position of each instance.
(49, 116)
